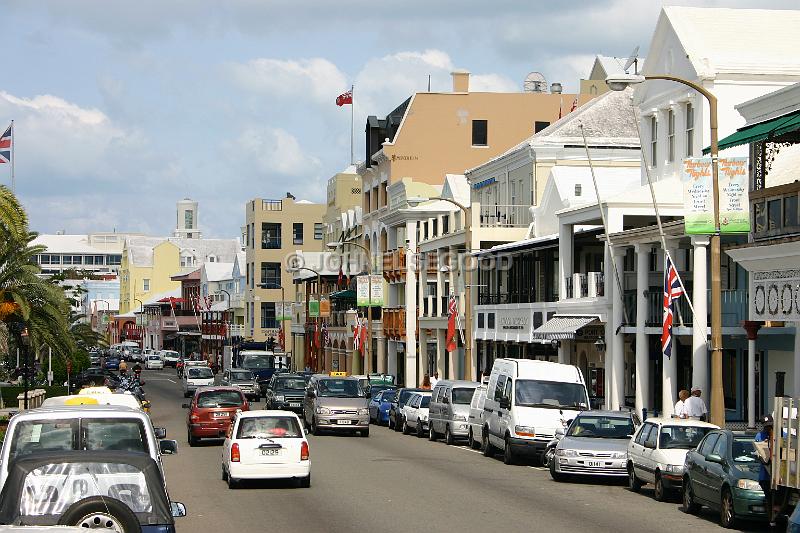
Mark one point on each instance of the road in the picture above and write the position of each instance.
(391, 482)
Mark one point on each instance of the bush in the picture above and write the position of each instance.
(10, 394)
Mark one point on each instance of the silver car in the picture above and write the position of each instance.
(335, 403)
(244, 379)
(595, 444)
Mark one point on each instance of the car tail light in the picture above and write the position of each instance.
(194, 417)
(235, 458)
(304, 451)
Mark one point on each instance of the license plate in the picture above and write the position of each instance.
(343, 422)
(594, 463)
(221, 415)
(270, 452)
(293, 404)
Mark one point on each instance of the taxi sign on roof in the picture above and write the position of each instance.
(91, 391)
(339, 374)
(81, 400)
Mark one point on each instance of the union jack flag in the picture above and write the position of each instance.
(5, 145)
(672, 291)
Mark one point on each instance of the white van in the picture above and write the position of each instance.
(526, 401)
(195, 377)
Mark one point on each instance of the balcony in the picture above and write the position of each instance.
(394, 265)
(235, 330)
(432, 260)
(430, 307)
(734, 308)
(774, 211)
(588, 285)
(505, 216)
(394, 322)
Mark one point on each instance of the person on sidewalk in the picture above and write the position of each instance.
(426, 382)
(680, 405)
(764, 477)
(694, 406)
(434, 380)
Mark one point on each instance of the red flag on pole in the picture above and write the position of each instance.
(341, 277)
(452, 312)
(345, 98)
(574, 105)
(357, 335)
(363, 341)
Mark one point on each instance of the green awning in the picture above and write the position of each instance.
(348, 294)
(758, 132)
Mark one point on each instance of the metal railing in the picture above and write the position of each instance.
(235, 330)
(505, 216)
(734, 309)
(585, 285)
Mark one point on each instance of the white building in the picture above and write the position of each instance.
(93, 252)
(188, 219)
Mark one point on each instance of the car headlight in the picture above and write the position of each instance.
(459, 418)
(525, 431)
(323, 411)
(279, 397)
(748, 484)
(566, 453)
(674, 469)
(619, 455)
(363, 411)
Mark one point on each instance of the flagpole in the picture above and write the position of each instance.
(13, 159)
(352, 122)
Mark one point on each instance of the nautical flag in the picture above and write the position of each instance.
(5, 145)
(282, 337)
(345, 98)
(452, 314)
(672, 291)
(325, 338)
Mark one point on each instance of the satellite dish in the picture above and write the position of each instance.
(534, 83)
(633, 59)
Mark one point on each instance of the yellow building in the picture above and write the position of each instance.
(274, 230)
(344, 196)
(149, 262)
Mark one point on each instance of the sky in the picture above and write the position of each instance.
(122, 108)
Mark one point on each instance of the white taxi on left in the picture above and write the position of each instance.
(266, 445)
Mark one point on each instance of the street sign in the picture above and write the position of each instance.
(313, 308)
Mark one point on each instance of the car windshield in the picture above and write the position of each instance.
(200, 372)
(153, 358)
(550, 394)
(220, 398)
(426, 401)
(744, 449)
(601, 427)
(387, 396)
(681, 437)
(257, 361)
(241, 375)
(340, 388)
(404, 395)
(290, 383)
(37, 436)
(265, 427)
(462, 396)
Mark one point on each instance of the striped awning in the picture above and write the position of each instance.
(563, 327)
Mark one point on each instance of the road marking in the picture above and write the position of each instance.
(468, 449)
(161, 379)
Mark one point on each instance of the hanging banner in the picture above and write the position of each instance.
(313, 308)
(369, 291)
(698, 199)
(283, 310)
(362, 291)
(324, 307)
(376, 291)
(734, 202)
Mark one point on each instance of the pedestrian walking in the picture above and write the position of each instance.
(694, 406)
(434, 380)
(426, 382)
(680, 405)
(764, 477)
(123, 367)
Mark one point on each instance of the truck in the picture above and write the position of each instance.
(261, 362)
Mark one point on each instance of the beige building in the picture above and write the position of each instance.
(602, 68)
(274, 230)
(344, 198)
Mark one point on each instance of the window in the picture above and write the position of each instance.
(671, 135)
(641, 438)
(490, 320)
(187, 261)
(270, 236)
(146, 285)
(114, 259)
(268, 319)
(480, 321)
(445, 224)
(653, 141)
(721, 447)
(689, 130)
(480, 133)
(88, 260)
(539, 125)
(708, 444)
(499, 388)
(188, 219)
(652, 438)
(319, 229)
(271, 275)
(297, 233)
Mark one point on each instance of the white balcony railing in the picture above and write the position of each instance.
(235, 330)
(505, 216)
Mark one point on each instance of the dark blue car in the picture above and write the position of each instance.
(111, 363)
(379, 406)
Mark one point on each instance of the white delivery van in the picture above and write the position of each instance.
(526, 401)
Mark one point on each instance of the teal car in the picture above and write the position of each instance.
(722, 473)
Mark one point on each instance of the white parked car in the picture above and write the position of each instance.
(475, 418)
(415, 413)
(657, 451)
(154, 362)
(195, 377)
(266, 445)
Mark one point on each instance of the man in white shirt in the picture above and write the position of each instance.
(694, 406)
(434, 380)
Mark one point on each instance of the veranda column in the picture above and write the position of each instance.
(411, 377)
(381, 355)
(700, 318)
(642, 401)
(752, 334)
(617, 348)
(564, 258)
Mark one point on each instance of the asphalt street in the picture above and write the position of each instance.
(392, 483)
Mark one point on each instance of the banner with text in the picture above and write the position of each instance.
(313, 308)
(698, 196)
(283, 310)
(734, 202)
(369, 291)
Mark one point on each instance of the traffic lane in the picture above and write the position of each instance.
(399, 482)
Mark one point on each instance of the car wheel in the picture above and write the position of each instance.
(232, 483)
(557, 476)
(689, 505)
(420, 434)
(633, 482)
(191, 439)
(431, 432)
(398, 423)
(314, 428)
(224, 474)
(448, 436)
(658, 492)
(365, 432)
(727, 516)
(305, 482)
(406, 429)
(97, 512)
(508, 453)
(486, 446)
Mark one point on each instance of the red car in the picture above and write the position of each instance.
(211, 412)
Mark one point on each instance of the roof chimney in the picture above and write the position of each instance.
(460, 81)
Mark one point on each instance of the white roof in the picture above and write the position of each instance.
(724, 40)
(78, 244)
(104, 304)
(174, 293)
(613, 65)
(140, 249)
(218, 271)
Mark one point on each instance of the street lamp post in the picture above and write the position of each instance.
(468, 279)
(140, 328)
(224, 317)
(370, 267)
(620, 83)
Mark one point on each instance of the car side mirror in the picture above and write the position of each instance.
(185, 405)
(560, 432)
(161, 433)
(168, 447)
(715, 458)
(178, 510)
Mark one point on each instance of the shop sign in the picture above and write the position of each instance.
(313, 308)
(775, 295)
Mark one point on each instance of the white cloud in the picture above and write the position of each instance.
(316, 77)
(272, 151)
